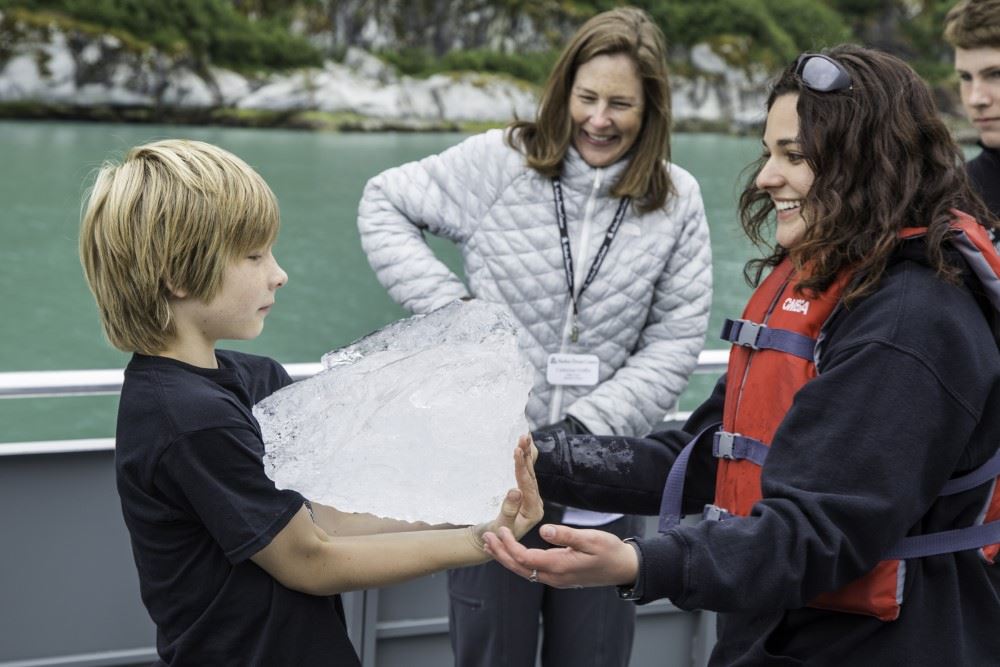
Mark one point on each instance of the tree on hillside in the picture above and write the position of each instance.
(207, 31)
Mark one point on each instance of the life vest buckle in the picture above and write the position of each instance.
(714, 513)
(723, 444)
(748, 333)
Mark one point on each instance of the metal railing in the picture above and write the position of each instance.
(51, 384)
(376, 625)
(55, 384)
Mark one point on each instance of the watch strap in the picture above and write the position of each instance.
(633, 591)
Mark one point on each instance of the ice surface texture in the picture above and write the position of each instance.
(417, 421)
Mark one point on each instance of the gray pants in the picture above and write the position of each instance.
(493, 617)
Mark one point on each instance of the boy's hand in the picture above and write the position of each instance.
(522, 507)
(531, 508)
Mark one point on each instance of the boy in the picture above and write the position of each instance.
(176, 247)
(973, 28)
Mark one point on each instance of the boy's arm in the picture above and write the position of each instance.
(304, 557)
(343, 524)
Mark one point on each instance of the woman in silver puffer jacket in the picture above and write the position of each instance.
(584, 195)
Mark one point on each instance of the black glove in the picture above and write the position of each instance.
(568, 425)
(546, 439)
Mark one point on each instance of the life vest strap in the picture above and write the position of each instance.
(946, 541)
(673, 490)
(975, 244)
(761, 337)
(738, 447)
(984, 473)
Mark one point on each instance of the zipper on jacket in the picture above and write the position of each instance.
(555, 406)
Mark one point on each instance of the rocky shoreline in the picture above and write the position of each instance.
(291, 120)
(49, 69)
(227, 117)
(53, 70)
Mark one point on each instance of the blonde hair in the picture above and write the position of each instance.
(973, 24)
(168, 219)
(544, 141)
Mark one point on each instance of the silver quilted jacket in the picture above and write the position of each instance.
(644, 315)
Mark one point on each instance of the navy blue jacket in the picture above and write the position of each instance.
(906, 398)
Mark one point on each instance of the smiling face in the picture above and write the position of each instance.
(236, 312)
(786, 176)
(606, 106)
(979, 72)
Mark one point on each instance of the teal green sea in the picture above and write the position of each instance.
(49, 319)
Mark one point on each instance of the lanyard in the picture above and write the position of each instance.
(602, 252)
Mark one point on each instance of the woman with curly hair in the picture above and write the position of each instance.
(847, 459)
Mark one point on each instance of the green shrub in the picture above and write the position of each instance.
(211, 30)
(810, 25)
(770, 32)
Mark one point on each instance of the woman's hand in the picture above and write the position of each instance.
(587, 557)
(522, 507)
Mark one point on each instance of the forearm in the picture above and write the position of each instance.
(440, 195)
(394, 245)
(629, 477)
(345, 524)
(305, 558)
(373, 561)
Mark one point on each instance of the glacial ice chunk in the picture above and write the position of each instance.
(417, 421)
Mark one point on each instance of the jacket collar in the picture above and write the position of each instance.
(577, 175)
(992, 153)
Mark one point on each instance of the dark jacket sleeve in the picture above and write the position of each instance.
(622, 474)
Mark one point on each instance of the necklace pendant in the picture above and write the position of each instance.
(575, 334)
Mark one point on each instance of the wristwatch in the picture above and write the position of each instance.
(633, 591)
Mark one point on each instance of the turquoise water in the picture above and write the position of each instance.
(49, 320)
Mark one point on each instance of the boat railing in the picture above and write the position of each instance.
(55, 384)
(71, 595)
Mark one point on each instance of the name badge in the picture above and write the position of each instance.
(572, 369)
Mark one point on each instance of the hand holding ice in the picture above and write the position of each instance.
(417, 421)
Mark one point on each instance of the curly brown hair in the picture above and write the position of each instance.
(545, 140)
(883, 160)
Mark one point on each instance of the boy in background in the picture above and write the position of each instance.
(176, 244)
(972, 27)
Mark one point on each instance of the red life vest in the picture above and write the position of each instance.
(772, 358)
(761, 384)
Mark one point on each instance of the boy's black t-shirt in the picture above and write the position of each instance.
(198, 505)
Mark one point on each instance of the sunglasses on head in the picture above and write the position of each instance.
(822, 73)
